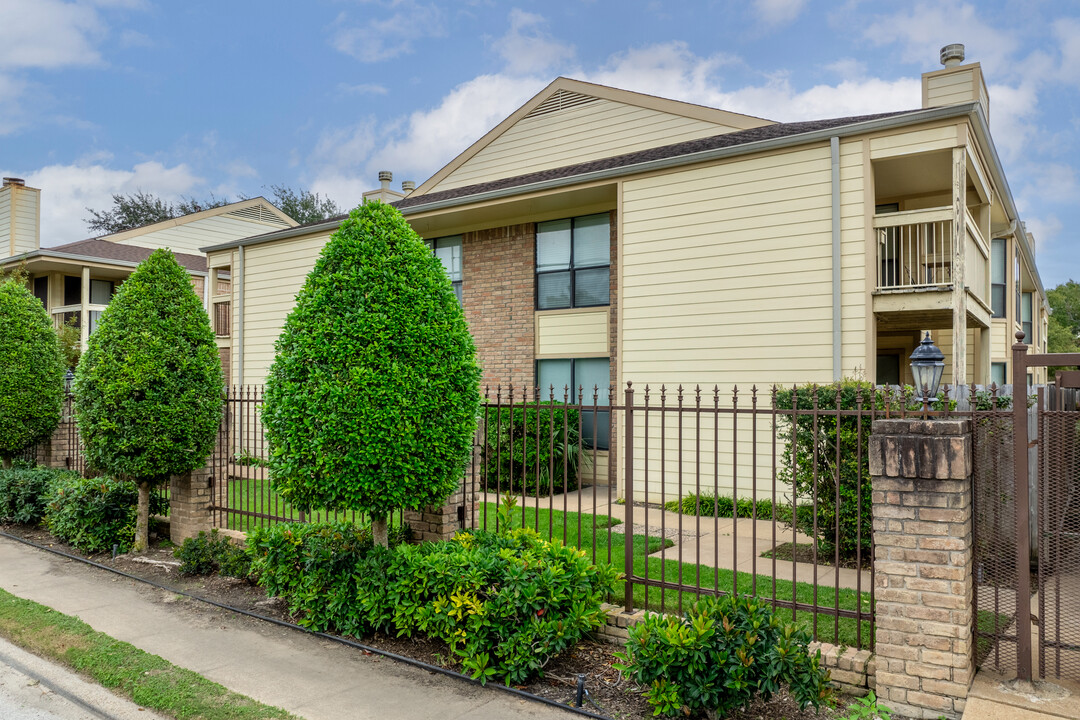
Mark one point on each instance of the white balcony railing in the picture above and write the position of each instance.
(914, 249)
(976, 262)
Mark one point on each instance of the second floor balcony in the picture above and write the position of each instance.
(918, 257)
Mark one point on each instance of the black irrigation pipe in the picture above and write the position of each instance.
(326, 636)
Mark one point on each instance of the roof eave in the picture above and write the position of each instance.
(81, 258)
(912, 118)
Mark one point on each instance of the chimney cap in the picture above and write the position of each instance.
(952, 54)
(14, 181)
(385, 175)
(408, 185)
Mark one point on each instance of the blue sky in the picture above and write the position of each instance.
(189, 98)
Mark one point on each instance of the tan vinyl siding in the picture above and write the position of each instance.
(1001, 338)
(190, 237)
(5, 223)
(951, 89)
(597, 472)
(576, 334)
(853, 235)
(597, 129)
(915, 141)
(26, 220)
(273, 275)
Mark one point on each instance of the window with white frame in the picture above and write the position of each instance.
(997, 277)
(1025, 318)
(588, 376)
(573, 262)
(448, 250)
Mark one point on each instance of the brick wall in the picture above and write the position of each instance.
(498, 268)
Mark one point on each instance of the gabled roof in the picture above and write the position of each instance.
(256, 209)
(566, 92)
(687, 148)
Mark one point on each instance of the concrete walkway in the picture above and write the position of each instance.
(707, 541)
(313, 678)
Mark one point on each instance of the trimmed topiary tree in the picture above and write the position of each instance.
(148, 389)
(372, 400)
(31, 371)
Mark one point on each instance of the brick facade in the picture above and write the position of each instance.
(498, 281)
(922, 500)
(189, 504)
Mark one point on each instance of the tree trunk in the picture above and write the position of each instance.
(379, 531)
(142, 521)
(6, 462)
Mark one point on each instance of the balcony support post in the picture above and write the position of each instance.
(959, 242)
(84, 310)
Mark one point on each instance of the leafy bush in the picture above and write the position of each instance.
(505, 603)
(93, 514)
(372, 399)
(24, 493)
(32, 375)
(542, 436)
(721, 656)
(212, 553)
(148, 389)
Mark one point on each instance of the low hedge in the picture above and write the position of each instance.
(24, 493)
(721, 656)
(504, 603)
(93, 514)
(212, 552)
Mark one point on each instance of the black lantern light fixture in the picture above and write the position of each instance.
(927, 364)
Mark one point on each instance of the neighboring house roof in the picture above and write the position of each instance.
(256, 209)
(106, 250)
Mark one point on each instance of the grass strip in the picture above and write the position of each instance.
(148, 680)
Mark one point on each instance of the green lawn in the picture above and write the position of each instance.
(559, 525)
(257, 496)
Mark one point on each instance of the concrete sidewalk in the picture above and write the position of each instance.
(313, 678)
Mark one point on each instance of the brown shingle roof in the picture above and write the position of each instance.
(107, 250)
(688, 147)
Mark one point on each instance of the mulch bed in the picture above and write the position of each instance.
(807, 553)
(612, 696)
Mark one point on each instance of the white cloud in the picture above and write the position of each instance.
(1067, 33)
(386, 38)
(67, 190)
(777, 12)
(48, 34)
(527, 48)
(926, 27)
(362, 89)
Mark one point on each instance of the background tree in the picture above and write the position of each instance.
(303, 206)
(1063, 335)
(148, 388)
(143, 208)
(31, 371)
(372, 399)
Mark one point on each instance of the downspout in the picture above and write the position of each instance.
(834, 147)
(240, 318)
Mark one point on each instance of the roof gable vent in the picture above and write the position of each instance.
(258, 213)
(561, 100)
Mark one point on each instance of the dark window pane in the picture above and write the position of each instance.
(888, 369)
(553, 245)
(72, 290)
(100, 292)
(997, 300)
(997, 373)
(592, 373)
(595, 431)
(553, 290)
(592, 287)
(41, 290)
(592, 240)
(1028, 335)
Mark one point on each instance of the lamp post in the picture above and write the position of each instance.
(927, 364)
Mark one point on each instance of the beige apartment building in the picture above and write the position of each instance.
(598, 235)
(77, 280)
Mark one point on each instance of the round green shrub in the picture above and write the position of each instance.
(148, 389)
(721, 656)
(31, 371)
(372, 400)
(93, 514)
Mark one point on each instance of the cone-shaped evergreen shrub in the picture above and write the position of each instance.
(31, 371)
(371, 402)
(148, 389)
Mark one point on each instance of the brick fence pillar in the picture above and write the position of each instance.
(441, 522)
(189, 504)
(922, 505)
